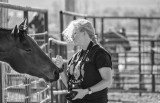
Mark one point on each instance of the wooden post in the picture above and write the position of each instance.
(3, 23)
(1, 83)
(3, 16)
(69, 6)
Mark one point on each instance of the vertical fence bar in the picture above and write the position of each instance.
(63, 51)
(46, 28)
(1, 83)
(75, 47)
(94, 24)
(152, 64)
(27, 91)
(102, 30)
(50, 55)
(139, 53)
(27, 81)
(61, 24)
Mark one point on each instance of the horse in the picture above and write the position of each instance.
(37, 23)
(112, 39)
(23, 54)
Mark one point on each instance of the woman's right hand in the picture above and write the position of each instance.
(59, 61)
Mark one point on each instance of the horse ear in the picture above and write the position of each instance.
(23, 25)
(15, 32)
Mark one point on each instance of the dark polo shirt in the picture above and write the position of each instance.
(96, 58)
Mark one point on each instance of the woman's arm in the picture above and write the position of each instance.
(59, 63)
(106, 82)
(64, 78)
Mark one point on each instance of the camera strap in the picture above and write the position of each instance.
(81, 60)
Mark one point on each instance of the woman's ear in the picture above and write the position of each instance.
(86, 34)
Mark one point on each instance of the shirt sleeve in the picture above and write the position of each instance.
(103, 59)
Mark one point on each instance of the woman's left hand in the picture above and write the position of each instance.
(81, 93)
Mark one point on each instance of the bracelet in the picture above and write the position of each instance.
(89, 91)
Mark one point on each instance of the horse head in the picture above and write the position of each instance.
(23, 54)
(37, 23)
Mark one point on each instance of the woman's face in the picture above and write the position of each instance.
(78, 37)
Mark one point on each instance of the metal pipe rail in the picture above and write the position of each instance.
(17, 7)
(20, 85)
(37, 93)
(47, 99)
(57, 41)
(39, 34)
(109, 17)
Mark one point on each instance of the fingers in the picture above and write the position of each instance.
(81, 93)
(75, 90)
(77, 96)
(58, 61)
(58, 56)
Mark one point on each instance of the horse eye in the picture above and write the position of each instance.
(28, 50)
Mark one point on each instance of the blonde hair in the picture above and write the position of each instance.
(81, 25)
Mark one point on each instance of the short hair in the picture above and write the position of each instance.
(81, 25)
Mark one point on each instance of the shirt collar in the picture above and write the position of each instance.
(90, 45)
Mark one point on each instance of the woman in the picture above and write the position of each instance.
(89, 71)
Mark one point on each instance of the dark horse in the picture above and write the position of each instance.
(114, 38)
(24, 55)
(37, 23)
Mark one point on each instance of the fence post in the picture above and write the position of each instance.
(102, 31)
(152, 64)
(27, 90)
(61, 24)
(2, 83)
(139, 54)
(50, 55)
(94, 25)
(3, 23)
(46, 29)
(27, 81)
(1, 87)
(3, 15)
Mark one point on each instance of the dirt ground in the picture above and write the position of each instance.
(134, 98)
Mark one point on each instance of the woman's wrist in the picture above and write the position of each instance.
(86, 91)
